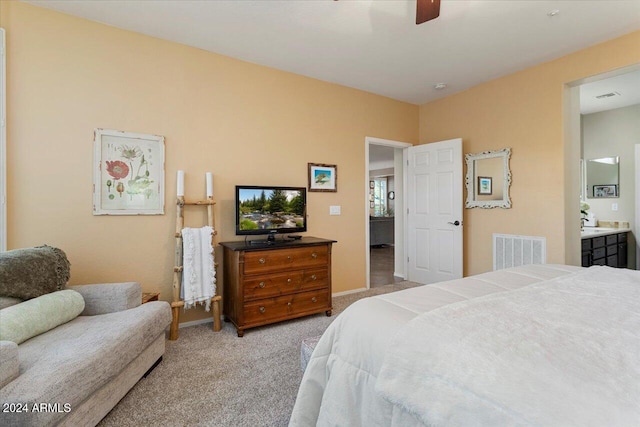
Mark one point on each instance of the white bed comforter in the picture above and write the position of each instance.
(482, 358)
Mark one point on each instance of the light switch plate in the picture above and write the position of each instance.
(334, 210)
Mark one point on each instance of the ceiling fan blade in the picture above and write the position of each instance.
(426, 10)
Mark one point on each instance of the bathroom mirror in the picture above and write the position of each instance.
(603, 176)
(488, 179)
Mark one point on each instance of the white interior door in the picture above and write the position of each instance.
(434, 215)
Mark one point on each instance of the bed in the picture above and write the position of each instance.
(532, 345)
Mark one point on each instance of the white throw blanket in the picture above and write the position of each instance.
(563, 352)
(198, 274)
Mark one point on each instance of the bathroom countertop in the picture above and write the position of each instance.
(589, 232)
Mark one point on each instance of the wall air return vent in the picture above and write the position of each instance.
(512, 251)
(607, 95)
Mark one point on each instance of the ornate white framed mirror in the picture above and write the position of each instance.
(488, 179)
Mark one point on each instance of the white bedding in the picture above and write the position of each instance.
(339, 384)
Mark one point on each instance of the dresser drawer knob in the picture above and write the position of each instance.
(262, 309)
(262, 260)
(289, 304)
(314, 299)
(313, 277)
(289, 258)
(314, 255)
(261, 284)
(289, 280)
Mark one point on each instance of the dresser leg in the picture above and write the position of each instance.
(240, 332)
(328, 313)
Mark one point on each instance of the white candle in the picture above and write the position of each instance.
(180, 183)
(209, 179)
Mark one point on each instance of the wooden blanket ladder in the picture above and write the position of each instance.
(177, 303)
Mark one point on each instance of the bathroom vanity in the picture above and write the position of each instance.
(604, 246)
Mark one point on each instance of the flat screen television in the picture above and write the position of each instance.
(270, 210)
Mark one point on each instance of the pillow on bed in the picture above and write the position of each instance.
(31, 272)
(30, 318)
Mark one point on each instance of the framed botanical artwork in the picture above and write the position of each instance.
(128, 173)
(609, 190)
(484, 185)
(323, 177)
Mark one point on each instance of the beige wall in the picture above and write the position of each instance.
(524, 111)
(246, 123)
(251, 125)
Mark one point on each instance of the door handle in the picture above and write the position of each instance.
(456, 223)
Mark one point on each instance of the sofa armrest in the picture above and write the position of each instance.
(109, 297)
(9, 365)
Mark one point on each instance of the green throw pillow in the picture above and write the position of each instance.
(22, 321)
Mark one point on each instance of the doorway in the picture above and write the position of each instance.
(384, 202)
(602, 115)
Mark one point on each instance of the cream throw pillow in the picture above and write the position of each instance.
(22, 321)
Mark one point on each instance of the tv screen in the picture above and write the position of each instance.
(265, 210)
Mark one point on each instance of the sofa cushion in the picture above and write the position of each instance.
(9, 366)
(8, 302)
(69, 363)
(103, 298)
(30, 318)
(31, 272)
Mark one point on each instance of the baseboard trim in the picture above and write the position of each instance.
(353, 291)
(195, 322)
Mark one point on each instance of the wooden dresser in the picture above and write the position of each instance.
(265, 284)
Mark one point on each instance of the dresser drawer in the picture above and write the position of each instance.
(272, 285)
(256, 262)
(285, 307)
(275, 284)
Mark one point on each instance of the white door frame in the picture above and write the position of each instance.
(399, 176)
(3, 144)
(637, 225)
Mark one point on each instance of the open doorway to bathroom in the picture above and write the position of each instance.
(609, 109)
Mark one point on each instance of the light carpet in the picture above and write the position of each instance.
(218, 379)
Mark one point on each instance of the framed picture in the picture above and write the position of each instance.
(128, 173)
(323, 177)
(484, 185)
(609, 190)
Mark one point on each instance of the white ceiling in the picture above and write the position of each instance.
(380, 157)
(615, 92)
(374, 45)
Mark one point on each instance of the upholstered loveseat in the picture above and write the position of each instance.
(75, 372)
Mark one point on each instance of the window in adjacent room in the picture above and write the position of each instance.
(379, 196)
